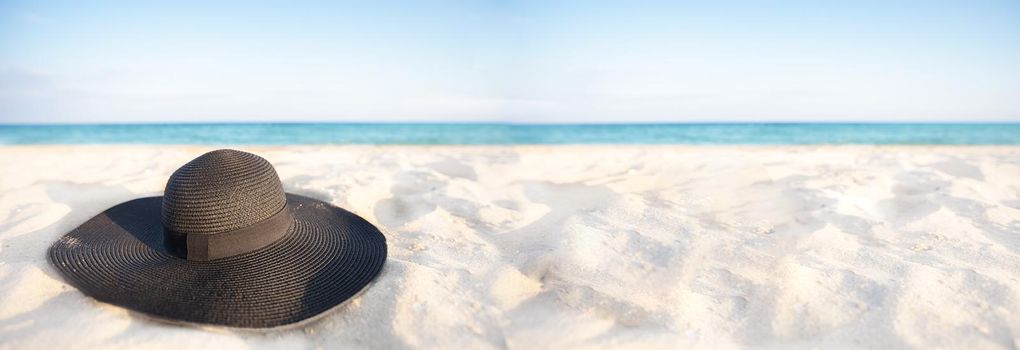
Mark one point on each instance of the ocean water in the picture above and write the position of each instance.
(482, 134)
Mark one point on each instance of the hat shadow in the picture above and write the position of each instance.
(140, 218)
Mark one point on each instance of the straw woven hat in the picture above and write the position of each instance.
(224, 245)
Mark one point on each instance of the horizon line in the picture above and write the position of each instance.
(438, 123)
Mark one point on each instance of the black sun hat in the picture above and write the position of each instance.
(224, 245)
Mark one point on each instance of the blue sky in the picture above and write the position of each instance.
(518, 61)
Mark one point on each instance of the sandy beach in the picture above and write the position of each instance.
(530, 247)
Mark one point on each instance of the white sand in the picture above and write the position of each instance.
(611, 246)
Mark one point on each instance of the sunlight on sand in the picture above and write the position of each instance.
(582, 246)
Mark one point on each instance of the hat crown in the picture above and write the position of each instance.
(223, 190)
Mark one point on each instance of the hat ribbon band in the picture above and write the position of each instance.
(206, 247)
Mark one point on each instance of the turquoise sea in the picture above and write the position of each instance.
(484, 134)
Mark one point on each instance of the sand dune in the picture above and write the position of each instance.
(582, 246)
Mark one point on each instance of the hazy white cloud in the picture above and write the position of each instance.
(129, 96)
(531, 62)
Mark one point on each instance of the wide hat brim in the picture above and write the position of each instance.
(327, 256)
